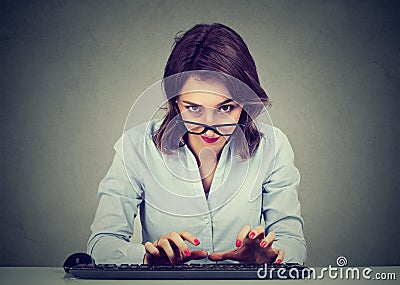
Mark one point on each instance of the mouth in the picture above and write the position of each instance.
(209, 140)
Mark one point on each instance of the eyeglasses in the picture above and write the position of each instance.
(199, 129)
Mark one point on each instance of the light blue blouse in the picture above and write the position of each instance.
(169, 192)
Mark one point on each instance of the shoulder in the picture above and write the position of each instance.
(138, 136)
(272, 135)
(142, 132)
(275, 142)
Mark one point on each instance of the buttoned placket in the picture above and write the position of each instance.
(206, 218)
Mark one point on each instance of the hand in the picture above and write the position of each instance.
(171, 248)
(252, 246)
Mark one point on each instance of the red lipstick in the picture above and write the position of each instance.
(209, 140)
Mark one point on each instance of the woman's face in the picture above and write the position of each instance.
(208, 102)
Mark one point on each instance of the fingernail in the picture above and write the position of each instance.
(238, 243)
(187, 252)
(196, 241)
(278, 261)
(252, 234)
(158, 254)
(263, 243)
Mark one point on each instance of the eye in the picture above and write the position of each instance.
(226, 108)
(194, 109)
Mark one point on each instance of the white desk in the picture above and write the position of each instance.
(56, 276)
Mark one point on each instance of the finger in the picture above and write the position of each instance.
(150, 248)
(189, 237)
(217, 256)
(242, 234)
(180, 244)
(166, 247)
(268, 240)
(281, 255)
(256, 232)
(199, 254)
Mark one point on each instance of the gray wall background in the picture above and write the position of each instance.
(70, 70)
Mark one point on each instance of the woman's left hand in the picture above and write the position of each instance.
(252, 246)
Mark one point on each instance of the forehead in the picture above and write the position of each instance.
(204, 92)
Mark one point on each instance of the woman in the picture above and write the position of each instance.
(212, 183)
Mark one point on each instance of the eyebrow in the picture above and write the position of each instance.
(220, 104)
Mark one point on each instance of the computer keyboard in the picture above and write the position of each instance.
(189, 271)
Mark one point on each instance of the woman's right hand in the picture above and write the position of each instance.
(171, 248)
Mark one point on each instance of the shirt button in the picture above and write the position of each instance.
(206, 221)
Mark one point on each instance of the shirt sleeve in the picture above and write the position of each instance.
(112, 227)
(281, 206)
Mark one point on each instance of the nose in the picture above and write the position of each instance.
(209, 133)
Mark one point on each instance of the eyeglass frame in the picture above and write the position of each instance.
(211, 127)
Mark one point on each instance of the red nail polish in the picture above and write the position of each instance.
(187, 252)
(196, 242)
(159, 254)
(238, 243)
(278, 261)
(263, 243)
(252, 234)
